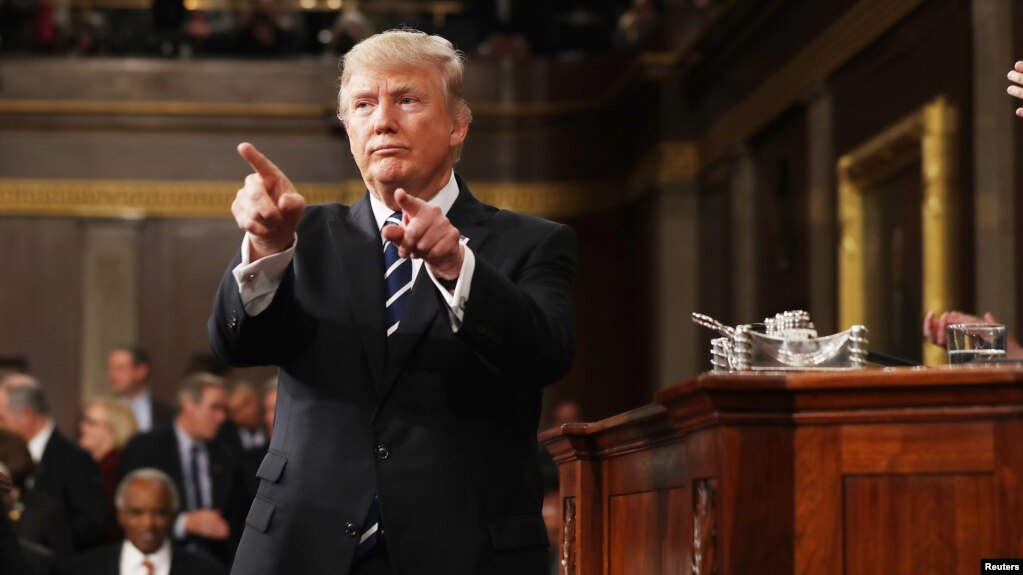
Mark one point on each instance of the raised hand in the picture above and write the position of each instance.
(206, 523)
(934, 326)
(267, 207)
(934, 329)
(1016, 75)
(426, 234)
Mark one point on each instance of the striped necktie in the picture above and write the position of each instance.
(397, 277)
(398, 282)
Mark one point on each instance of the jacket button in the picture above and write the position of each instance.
(382, 452)
(351, 529)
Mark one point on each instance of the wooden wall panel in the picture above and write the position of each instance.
(182, 263)
(41, 308)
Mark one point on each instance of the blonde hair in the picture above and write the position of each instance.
(120, 417)
(402, 47)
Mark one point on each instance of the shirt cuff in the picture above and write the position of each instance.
(258, 281)
(179, 526)
(456, 298)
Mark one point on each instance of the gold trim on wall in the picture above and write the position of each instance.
(929, 136)
(140, 199)
(163, 108)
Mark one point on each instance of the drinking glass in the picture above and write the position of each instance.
(975, 342)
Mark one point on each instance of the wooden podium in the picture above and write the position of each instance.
(898, 471)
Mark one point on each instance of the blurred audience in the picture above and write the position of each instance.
(271, 28)
(65, 471)
(128, 369)
(207, 473)
(35, 516)
(147, 501)
(104, 431)
(269, 405)
(206, 363)
(244, 431)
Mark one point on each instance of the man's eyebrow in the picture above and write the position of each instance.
(405, 88)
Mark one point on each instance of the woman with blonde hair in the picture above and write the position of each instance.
(106, 427)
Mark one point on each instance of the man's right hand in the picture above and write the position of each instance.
(934, 329)
(267, 207)
(206, 523)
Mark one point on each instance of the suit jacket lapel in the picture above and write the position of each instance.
(357, 244)
(469, 216)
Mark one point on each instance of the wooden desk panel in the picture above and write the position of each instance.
(894, 471)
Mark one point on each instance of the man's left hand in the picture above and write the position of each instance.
(427, 234)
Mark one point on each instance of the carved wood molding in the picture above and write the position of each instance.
(166, 108)
(704, 526)
(140, 198)
(566, 565)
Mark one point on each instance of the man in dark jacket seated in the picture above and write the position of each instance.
(147, 502)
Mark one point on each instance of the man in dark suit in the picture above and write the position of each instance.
(405, 434)
(65, 472)
(147, 502)
(128, 368)
(206, 472)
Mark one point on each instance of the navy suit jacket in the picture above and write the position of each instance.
(440, 425)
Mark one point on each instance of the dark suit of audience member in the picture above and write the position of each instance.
(40, 521)
(250, 456)
(106, 561)
(11, 560)
(69, 475)
(227, 494)
(163, 412)
(38, 559)
(65, 471)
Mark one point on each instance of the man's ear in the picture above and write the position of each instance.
(459, 130)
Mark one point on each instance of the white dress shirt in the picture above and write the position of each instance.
(132, 558)
(37, 445)
(251, 439)
(258, 281)
(142, 407)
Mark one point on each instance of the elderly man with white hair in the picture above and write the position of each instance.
(147, 502)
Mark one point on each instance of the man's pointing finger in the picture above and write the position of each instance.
(260, 163)
(409, 204)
